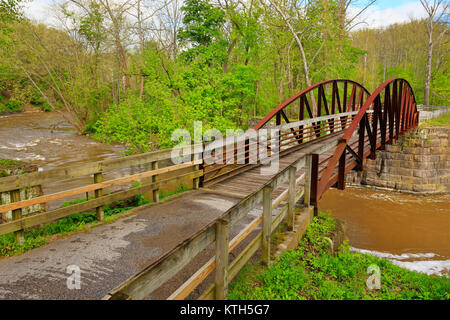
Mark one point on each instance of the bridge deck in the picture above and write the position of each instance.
(111, 253)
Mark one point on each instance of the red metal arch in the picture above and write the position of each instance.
(391, 118)
(352, 104)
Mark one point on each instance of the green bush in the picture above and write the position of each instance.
(13, 105)
(45, 107)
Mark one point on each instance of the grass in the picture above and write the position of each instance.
(36, 237)
(442, 121)
(311, 273)
(9, 162)
(19, 167)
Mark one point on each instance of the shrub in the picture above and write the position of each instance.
(14, 105)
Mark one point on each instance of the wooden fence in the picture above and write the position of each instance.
(96, 170)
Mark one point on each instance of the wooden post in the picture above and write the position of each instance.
(154, 179)
(17, 214)
(196, 181)
(98, 178)
(266, 225)
(315, 182)
(221, 278)
(307, 193)
(291, 199)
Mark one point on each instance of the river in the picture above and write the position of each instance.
(412, 231)
(46, 140)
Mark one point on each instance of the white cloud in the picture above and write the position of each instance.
(38, 10)
(375, 17)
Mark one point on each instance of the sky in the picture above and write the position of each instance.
(382, 13)
(385, 12)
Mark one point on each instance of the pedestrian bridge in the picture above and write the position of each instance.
(243, 188)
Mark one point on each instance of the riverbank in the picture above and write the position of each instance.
(311, 273)
(410, 230)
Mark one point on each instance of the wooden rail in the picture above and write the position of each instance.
(159, 163)
(153, 276)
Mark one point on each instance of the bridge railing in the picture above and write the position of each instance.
(162, 270)
(156, 170)
(287, 138)
(432, 112)
(394, 112)
(322, 99)
(322, 109)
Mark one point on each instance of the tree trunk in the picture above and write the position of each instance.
(302, 51)
(342, 16)
(428, 72)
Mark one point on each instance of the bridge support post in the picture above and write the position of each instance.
(291, 199)
(154, 179)
(221, 278)
(266, 225)
(315, 182)
(98, 178)
(362, 130)
(17, 214)
(341, 171)
(307, 193)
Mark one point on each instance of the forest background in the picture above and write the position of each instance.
(132, 71)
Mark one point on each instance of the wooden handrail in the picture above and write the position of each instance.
(186, 288)
(46, 217)
(153, 276)
(85, 169)
(92, 187)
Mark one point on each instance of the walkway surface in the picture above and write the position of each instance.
(109, 254)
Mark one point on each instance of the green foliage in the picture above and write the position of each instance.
(310, 272)
(225, 65)
(13, 105)
(143, 125)
(181, 188)
(202, 23)
(9, 12)
(400, 51)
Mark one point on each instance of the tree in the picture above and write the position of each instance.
(297, 35)
(437, 11)
(9, 13)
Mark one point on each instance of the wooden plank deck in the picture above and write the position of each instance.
(249, 181)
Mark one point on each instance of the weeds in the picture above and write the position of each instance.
(310, 272)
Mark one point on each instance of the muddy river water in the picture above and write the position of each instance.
(410, 230)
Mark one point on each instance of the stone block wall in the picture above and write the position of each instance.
(418, 162)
